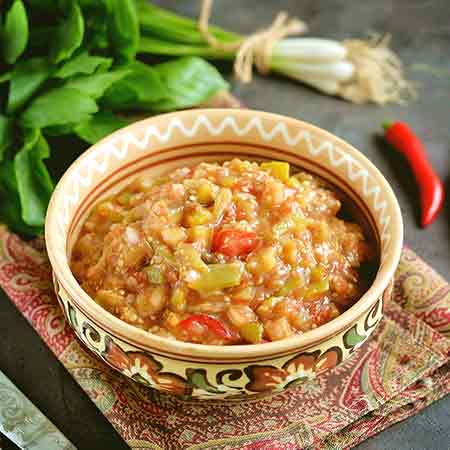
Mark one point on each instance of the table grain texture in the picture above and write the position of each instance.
(421, 36)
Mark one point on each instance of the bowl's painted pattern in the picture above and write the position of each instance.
(163, 142)
(232, 381)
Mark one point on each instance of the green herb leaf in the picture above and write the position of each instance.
(6, 135)
(99, 126)
(10, 205)
(123, 27)
(10, 212)
(83, 64)
(26, 78)
(69, 34)
(5, 77)
(189, 81)
(15, 32)
(58, 106)
(96, 13)
(139, 88)
(99, 37)
(95, 85)
(33, 181)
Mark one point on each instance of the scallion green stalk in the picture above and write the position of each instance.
(318, 62)
(357, 70)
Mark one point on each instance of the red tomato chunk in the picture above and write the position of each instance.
(234, 242)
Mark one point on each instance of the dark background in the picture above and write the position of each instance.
(421, 36)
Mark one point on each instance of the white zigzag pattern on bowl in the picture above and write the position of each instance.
(118, 149)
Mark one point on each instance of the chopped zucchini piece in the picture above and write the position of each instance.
(217, 277)
(201, 233)
(175, 216)
(318, 273)
(136, 255)
(191, 257)
(291, 284)
(290, 251)
(267, 305)
(252, 332)
(160, 181)
(109, 298)
(162, 252)
(132, 216)
(199, 216)
(124, 198)
(267, 259)
(293, 182)
(228, 181)
(205, 193)
(314, 289)
(178, 300)
(172, 236)
(154, 274)
(277, 169)
(109, 211)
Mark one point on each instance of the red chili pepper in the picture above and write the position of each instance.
(234, 242)
(209, 322)
(403, 139)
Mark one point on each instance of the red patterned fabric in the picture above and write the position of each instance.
(400, 370)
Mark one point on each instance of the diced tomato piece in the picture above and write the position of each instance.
(211, 323)
(234, 242)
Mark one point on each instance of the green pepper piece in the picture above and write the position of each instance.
(217, 277)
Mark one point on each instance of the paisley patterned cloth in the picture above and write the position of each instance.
(400, 370)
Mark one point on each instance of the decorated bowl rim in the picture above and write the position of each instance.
(180, 349)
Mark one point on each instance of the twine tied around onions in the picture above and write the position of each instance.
(254, 49)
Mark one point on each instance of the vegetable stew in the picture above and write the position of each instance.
(231, 253)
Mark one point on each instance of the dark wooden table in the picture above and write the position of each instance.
(421, 35)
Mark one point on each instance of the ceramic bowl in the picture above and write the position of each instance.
(161, 143)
